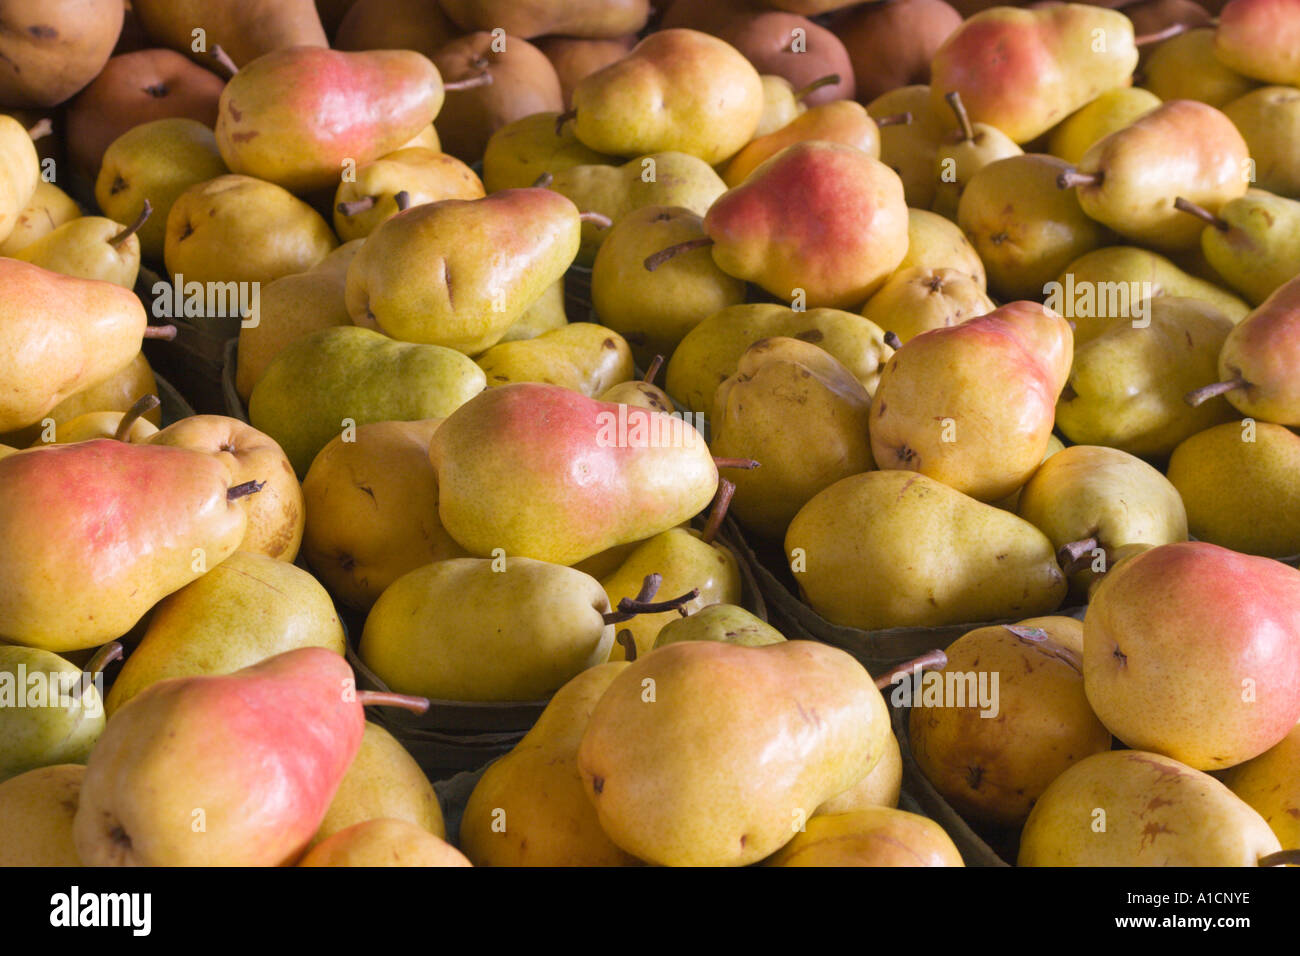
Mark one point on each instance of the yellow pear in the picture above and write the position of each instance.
(881, 786)
(36, 811)
(521, 151)
(1110, 111)
(89, 247)
(875, 836)
(49, 208)
(1270, 783)
(384, 842)
(21, 172)
(360, 205)
(916, 300)
(936, 242)
(583, 356)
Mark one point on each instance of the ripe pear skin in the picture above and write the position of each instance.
(487, 634)
(1185, 68)
(675, 782)
(881, 786)
(521, 151)
(1157, 812)
(51, 712)
(423, 174)
(581, 356)
(1193, 651)
(1255, 244)
(84, 249)
(545, 315)
(877, 836)
(49, 208)
(1023, 71)
(842, 121)
(935, 242)
(384, 842)
(1268, 784)
(917, 300)
(838, 244)
(1263, 352)
(1269, 119)
(530, 807)
(725, 623)
(1111, 111)
(22, 171)
(997, 566)
(97, 533)
(259, 752)
(294, 117)
(36, 813)
(909, 148)
(589, 483)
(951, 425)
(96, 425)
(1241, 485)
(678, 90)
(383, 782)
(245, 30)
(60, 335)
(246, 609)
(1259, 39)
(472, 293)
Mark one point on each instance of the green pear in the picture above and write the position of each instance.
(583, 356)
(917, 300)
(524, 240)
(36, 813)
(1111, 111)
(342, 377)
(785, 393)
(710, 352)
(1253, 242)
(1240, 482)
(1127, 385)
(424, 175)
(545, 315)
(49, 208)
(1268, 784)
(875, 837)
(1269, 120)
(725, 623)
(935, 242)
(1184, 67)
(50, 712)
(90, 247)
(246, 609)
(487, 629)
(1157, 812)
(909, 149)
(157, 161)
(859, 553)
(524, 149)
(964, 153)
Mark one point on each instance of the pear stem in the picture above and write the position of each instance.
(242, 491)
(597, 219)
(112, 651)
(929, 659)
(1173, 30)
(897, 119)
(745, 464)
(963, 118)
(1200, 212)
(649, 588)
(654, 261)
(42, 127)
(132, 229)
(564, 118)
(164, 332)
(469, 83)
(721, 502)
(375, 698)
(1281, 858)
(403, 200)
(355, 206)
(830, 79)
(655, 365)
(893, 341)
(634, 607)
(543, 181)
(146, 403)
(224, 61)
(1074, 556)
(628, 643)
(1072, 177)
(1199, 396)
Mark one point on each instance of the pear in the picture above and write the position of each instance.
(641, 394)
(950, 425)
(579, 18)
(524, 149)
(725, 623)
(545, 315)
(1193, 651)
(1269, 120)
(656, 179)
(49, 208)
(1259, 39)
(881, 786)
(1184, 68)
(934, 242)
(513, 634)
(582, 356)
(220, 231)
(710, 352)
(383, 782)
(290, 308)
(1093, 500)
(372, 510)
(656, 472)
(90, 247)
(1268, 784)
(422, 174)
(909, 149)
(842, 121)
(678, 783)
(36, 813)
(384, 842)
(917, 300)
(51, 713)
(313, 390)
(1024, 228)
(685, 562)
(529, 808)
(246, 609)
(470, 299)
(133, 382)
(246, 31)
(22, 172)
(678, 90)
(779, 105)
(1157, 812)
(1111, 111)
(1127, 385)
(993, 764)
(864, 565)
(655, 310)
(1238, 481)
(1253, 242)
(963, 154)
(877, 836)
(786, 391)
(155, 161)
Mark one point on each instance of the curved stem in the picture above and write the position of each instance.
(1199, 396)
(1200, 212)
(375, 698)
(628, 643)
(896, 119)
(244, 490)
(1173, 30)
(224, 61)
(635, 607)
(146, 403)
(354, 206)
(649, 588)
(963, 118)
(543, 181)
(721, 502)
(597, 219)
(112, 651)
(1076, 554)
(1072, 177)
(403, 200)
(132, 229)
(745, 464)
(655, 365)
(469, 83)
(930, 659)
(1281, 858)
(830, 79)
(164, 332)
(654, 261)
(42, 127)
(564, 118)
(893, 341)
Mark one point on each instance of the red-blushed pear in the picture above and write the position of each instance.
(1193, 651)
(541, 471)
(819, 217)
(972, 405)
(93, 535)
(230, 770)
(1023, 71)
(1261, 39)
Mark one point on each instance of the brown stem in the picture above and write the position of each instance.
(164, 332)
(745, 464)
(146, 403)
(897, 119)
(893, 341)
(628, 643)
(132, 229)
(1072, 177)
(375, 698)
(655, 365)
(1173, 30)
(1281, 858)
(224, 61)
(829, 79)
(1199, 396)
(654, 261)
(649, 588)
(721, 502)
(543, 181)
(634, 607)
(564, 118)
(403, 200)
(112, 651)
(242, 491)
(963, 118)
(469, 83)
(1071, 557)
(929, 659)
(1200, 212)
(42, 127)
(352, 207)
(597, 219)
